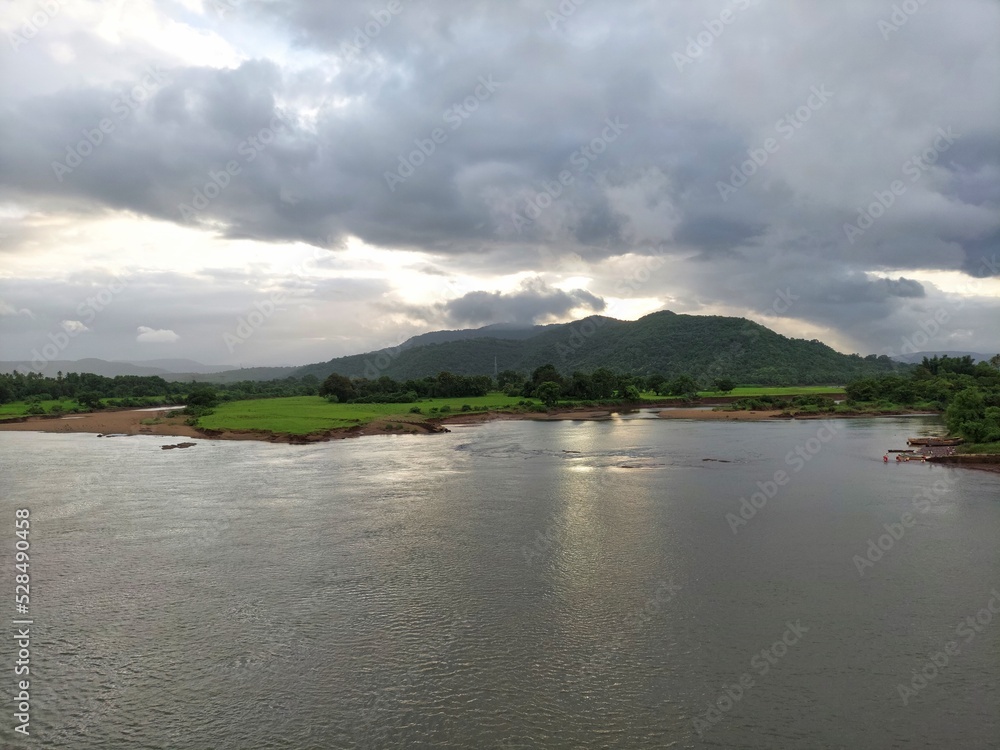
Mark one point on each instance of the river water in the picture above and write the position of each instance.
(509, 585)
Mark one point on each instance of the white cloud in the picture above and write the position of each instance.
(74, 326)
(156, 336)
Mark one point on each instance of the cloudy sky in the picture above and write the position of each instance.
(284, 181)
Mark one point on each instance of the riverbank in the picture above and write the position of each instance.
(773, 414)
(134, 422)
(127, 422)
(137, 422)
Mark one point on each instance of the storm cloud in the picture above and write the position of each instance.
(847, 156)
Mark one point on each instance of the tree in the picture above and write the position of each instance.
(654, 382)
(204, 396)
(603, 383)
(89, 399)
(724, 385)
(548, 392)
(965, 415)
(338, 385)
(509, 378)
(684, 385)
(995, 361)
(545, 374)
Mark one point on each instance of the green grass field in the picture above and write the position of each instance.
(302, 415)
(20, 408)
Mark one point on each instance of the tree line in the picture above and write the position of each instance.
(545, 383)
(968, 393)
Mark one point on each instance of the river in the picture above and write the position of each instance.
(508, 585)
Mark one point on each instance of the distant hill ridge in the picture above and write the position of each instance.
(703, 346)
(663, 342)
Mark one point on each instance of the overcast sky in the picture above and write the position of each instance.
(285, 181)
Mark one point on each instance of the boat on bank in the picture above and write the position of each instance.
(934, 442)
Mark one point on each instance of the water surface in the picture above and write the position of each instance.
(516, 584)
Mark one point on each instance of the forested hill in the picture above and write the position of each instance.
(703, 347)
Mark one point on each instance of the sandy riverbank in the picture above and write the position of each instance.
(110, 422)
(709, 415)
(770, 415)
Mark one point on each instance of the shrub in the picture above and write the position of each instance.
(445, 408)
(466, 407)
(35, 408)
(415, 410)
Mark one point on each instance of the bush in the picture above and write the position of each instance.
(203, 396)
(415, 410)
(466, 407)
(445, 408)
(35, 409)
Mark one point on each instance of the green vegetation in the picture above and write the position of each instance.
(48, 406)
(979, 448)
(967, 393)
(308, 414)
(747, 391)
(706, 348)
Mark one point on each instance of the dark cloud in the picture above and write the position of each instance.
(436, 127)
(533, 303)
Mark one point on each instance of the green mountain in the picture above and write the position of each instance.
(705, 347)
